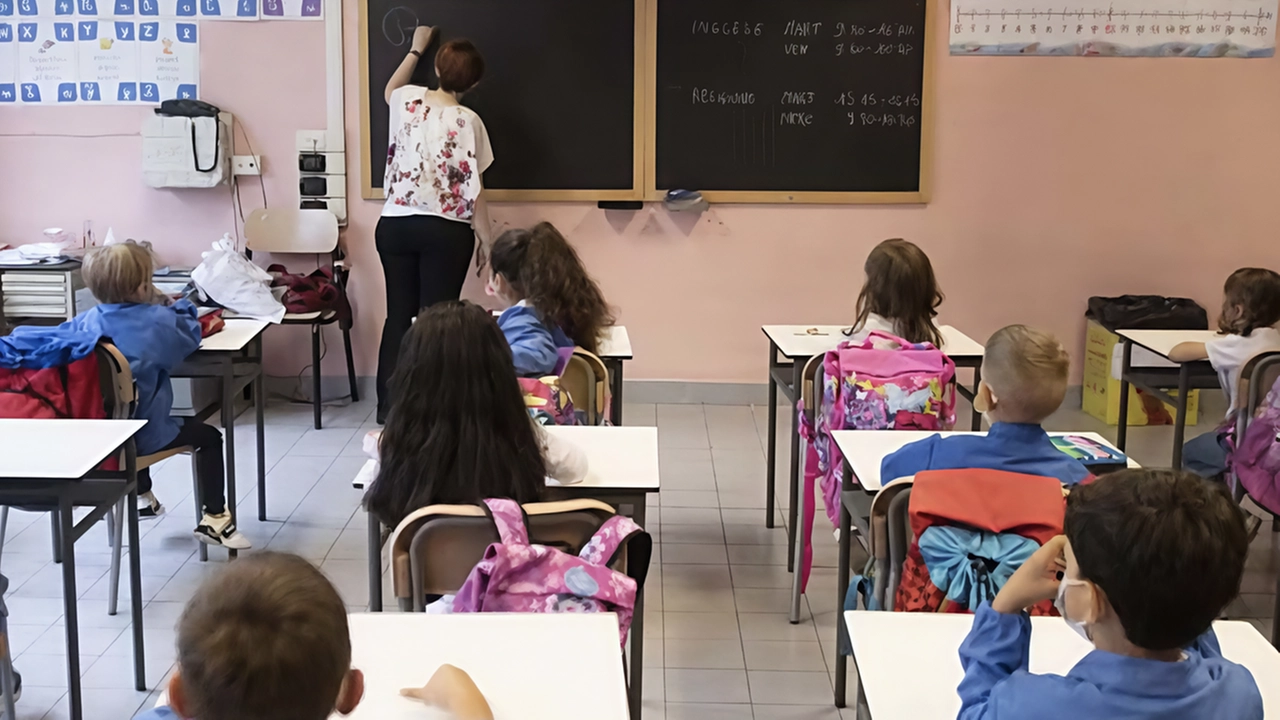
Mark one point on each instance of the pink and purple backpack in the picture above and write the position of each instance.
(515, 576)
(1255, 460)
(881, 383)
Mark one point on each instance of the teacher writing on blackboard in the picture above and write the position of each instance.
(434, 211)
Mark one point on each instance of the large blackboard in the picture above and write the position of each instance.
(559, 93)
(790, 97)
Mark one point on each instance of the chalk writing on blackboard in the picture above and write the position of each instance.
(1161, 28)
(398, 25)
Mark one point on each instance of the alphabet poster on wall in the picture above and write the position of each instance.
(47, 62)
(291, 9)
(229, 9)
(8, 63)
(108, 61)
(1150, 28)
(168, 60)
(39, 8)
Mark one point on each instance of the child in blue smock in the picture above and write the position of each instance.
(551, 302)
(155, 338)
(1149, 559)
(1024, 379)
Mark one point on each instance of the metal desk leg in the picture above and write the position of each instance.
(797, 370)
(797, 561)
(977, 416)
(228, 412)
(771, 450)
(1275, 617)
(615, 390)
(1122, 428)
(135, 569)
(259, 410)
(842, 586)
(635, 687)
(69, 607)
(1180, 422)
(375, 562)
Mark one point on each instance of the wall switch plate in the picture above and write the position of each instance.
(311, 140)
(246, 165)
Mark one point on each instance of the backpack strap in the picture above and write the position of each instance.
(508, 517)
(604, 545)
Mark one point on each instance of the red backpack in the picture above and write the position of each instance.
(984, 503)
(65, 391)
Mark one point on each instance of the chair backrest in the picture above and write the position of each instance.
(291, 230)
(119, 394)
(811, 385)
(434, 549)
(1257, 377)
(889, 526)
(587, 381)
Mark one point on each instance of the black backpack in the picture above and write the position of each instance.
(1147, 312)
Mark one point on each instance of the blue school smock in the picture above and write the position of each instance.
(535, 344)
(997, 685)
(154, 339)
(1013, 447)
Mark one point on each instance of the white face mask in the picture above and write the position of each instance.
(1061, 604)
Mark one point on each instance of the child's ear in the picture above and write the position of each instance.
(351, 693)
(984, 399)
(178, 696)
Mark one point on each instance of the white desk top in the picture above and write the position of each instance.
(232, 338)
(1162, 341)
(59, 449)
(864, 450)
(618, 458)
(795, 341)
(529, 666)
(886, 642)
(616, 344)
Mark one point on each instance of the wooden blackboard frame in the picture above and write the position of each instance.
(921, 196)
(641, 112)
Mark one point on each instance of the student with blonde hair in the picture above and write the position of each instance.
(155, 336)
(1024, 379)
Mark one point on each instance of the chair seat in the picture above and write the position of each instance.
(146, 461)
(320, 315)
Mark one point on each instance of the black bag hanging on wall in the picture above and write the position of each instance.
(1147, 312)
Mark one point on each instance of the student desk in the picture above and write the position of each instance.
(51, 463)
(864, 451)
(1185, 377)
(889, 646)
(622, 469)
(234, 356)
(615, 348)
(796, 344)
(529, 667)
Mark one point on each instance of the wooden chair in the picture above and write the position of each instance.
(434, 549)
(290, 230)
(587, 381)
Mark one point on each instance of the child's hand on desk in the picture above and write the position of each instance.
(1036, 580)
(453, 689)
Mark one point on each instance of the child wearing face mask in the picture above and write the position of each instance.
(1149, 559)
(1024, 379)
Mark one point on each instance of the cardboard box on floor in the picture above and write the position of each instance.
(1101, 392)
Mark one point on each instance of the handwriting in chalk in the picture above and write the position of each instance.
(398, 25)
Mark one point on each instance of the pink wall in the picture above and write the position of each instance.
(1055, 179)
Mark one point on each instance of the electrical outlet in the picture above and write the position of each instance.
(246, 165)
(311, 140)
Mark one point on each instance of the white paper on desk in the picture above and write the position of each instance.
(1140, 358)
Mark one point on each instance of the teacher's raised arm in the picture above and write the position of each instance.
(437, 150)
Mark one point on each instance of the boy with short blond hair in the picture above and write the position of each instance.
(1024, 380)
(156, 337)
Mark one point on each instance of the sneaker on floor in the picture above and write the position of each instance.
(219, 530)
(148, 506)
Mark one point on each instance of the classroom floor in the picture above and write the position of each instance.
(718, 644)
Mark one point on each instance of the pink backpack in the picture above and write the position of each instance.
(881, 383)
(515, 576)
(1256, 458)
